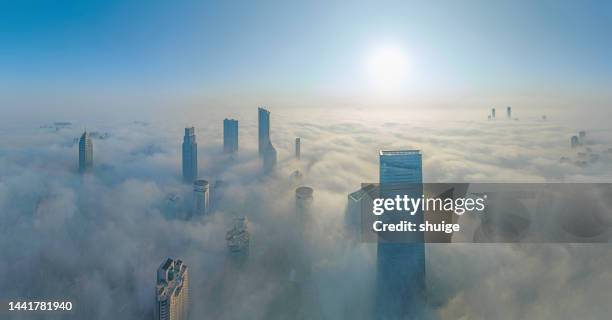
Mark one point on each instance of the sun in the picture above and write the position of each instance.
(387, 67)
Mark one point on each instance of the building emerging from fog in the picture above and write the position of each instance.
(238, 240)
(357, 202)
(85, 152)
(190, 156)
(400, 281)
(493, 113)
(269, 159)
(201, 195)
(263, 117)
(230, 135)
(303, 200)
(172, 291)
(266, 149)
(297, 148)
(509, 112)
(574, 141)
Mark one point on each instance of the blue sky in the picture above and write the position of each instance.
(131, 49)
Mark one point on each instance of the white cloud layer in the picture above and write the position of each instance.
(98, 239)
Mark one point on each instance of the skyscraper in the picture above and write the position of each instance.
(303, 200)
(266, 149)
(85, 152)
(190, 156)
(357, 202)
(493, 113)
(297, 148)
(509, 112)
(400, 282)
(172, 291)
(238, 239)
(230, 135)
(574, 141)
(264, 130)
(269, 158)
(201, 197)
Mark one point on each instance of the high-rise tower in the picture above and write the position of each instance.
(85, 152)
(493, 113)
(264, 130)
(303, 200)
(190, 156)
(230, 135)
(201, 198)
(400, 281)
(269, 158)
(574, 141)
(298, 148)
(266, 149)
(509, 112)
(238, 238)
(172, 291)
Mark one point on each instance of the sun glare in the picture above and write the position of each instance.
(387, 67)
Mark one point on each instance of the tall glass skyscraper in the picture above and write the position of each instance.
(263, 117)
(400, 283)
(201, 198)
(269, 158)
(190, 156)
(266, 149)
(230, 135)
(85, 152)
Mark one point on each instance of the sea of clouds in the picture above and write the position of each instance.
(98, 238)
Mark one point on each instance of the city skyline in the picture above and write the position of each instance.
(138, 166)
(137, 181)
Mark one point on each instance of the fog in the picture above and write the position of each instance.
(98, 239)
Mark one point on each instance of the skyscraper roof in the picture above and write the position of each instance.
(398, 152)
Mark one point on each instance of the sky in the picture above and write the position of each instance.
(85, 55)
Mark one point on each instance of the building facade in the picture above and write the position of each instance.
(172, 291)
(230, 135)
(85, 152)
(303, 200)
(263, 117)
(269, 159)
(190, 156)
(400, 279)
(265, 147)
(238, 239)
(201, 195)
